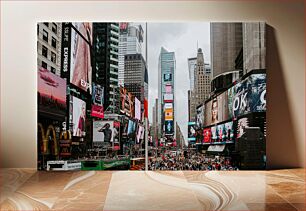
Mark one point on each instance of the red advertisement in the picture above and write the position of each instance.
(207, 135)
(97, 111)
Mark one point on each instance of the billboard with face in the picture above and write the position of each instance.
(97, 94)
(77, 116)
(248, 96)
(80, 56)
(191, 131)
(229, 132)
(241, 125)
(103, 131)
(51, 91)
(169, 127)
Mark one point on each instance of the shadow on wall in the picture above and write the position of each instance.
(281, 145)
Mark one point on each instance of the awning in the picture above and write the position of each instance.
(216, 148)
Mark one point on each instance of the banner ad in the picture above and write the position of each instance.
(140, 133)
(80, 58)
(223, 133)
(127, 102)
(137, 109)
(77, 116)
(51, 92)
(103, 131)
(168, 98)
(169, 114)
(200, 116)
(97, 111)
(97, 94)
(207, 136)
(191, 131)
(169, 127)
(116, 132)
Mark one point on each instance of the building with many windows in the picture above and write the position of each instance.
(49, 36)
(166, 90)
(106, 52)
(130, 42)
(136, 76)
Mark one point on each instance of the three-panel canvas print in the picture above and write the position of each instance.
(151, 96)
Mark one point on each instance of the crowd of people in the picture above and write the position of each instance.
(191, 161)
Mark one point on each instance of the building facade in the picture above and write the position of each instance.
(130, 42)
(106, 51)
(136, 76)
(166, 90)
(49, 39)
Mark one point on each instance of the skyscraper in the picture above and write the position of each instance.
(105, 46)
(136, 76)
(130, 42)
(49, 39)
(166, 90)
(200, 80)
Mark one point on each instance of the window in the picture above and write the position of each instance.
(54, 28)
(53, 57)
(53, 43)
(45, 35)
(53, 70)
(44, 64)
(45, 51)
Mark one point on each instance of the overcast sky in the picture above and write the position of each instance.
(182, 39)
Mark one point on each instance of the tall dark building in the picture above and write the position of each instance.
(136, 76)
(105, 47)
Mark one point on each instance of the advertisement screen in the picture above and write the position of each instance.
(168, 106)
(103, 131)
(200, 116)
(127, 102)
(168, 127)
(223, 133)
(168, 77)
(51, 91)
(229, 129)
(248, 96)
(169, 114)
(80, 58)
(242, 124)
(97, 94)
(131, 127)
(97, 111)
(168, 89)
(137, 109)
(78, 110)
(168, 97)
(207, 135)
(116, 132)
(216, 110)
(191, 131)
(140, 133)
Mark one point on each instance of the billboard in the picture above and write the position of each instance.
(116, 132)
(169, 126)
(223, 133)
(169, 114)
(103, 131)
(51, 91)
(137, 109)
(245, 97)
(168, 89)
(131, 128)
(216, 110)
(167, 77)
(80, 56)
(140, 133)
(77, 116)
(97, 111)
(207, 136)
(191, 131)
(127, 102)
(241, 125)
(248, 96)
(97, 94)
(168, 98)
(168, 106)
(200, 116)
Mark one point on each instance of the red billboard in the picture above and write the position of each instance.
(207, 135)
(97, 111)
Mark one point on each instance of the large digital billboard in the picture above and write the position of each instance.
(245, 97)
(248, 96)
(191, 131)
(127, 102)
(51, 91)
(169, 127)
(222, 133)
(207, 136)
(80, 56)
(97, 94)
(103, 131)
(169, 114)
(77, 116)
